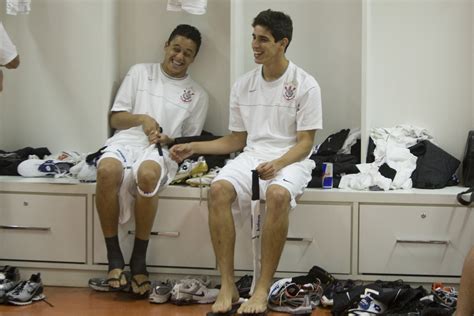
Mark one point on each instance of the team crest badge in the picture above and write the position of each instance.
(187, 95)
(290, 91)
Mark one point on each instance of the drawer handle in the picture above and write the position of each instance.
(16, 227)
(431, 242)
(165, 234)
(302, 239)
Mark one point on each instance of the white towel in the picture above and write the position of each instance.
(15, 7)
(191, 6)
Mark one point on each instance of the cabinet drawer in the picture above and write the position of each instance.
(43, 227)
(414, 240)
(180, 236)
(319, 234)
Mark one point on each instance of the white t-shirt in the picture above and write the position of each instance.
(7, 50)
(273, 112)
(178, 105)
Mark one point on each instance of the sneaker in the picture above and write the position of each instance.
(99, 284)
(160, 292)
(297, 299)
(368, 305)
(204, 180)
(27, 291)
(193, 291)
(42, 168)
(445, 295)
(9, 278)
(338, 286)
(189, 169)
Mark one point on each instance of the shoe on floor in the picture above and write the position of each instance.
(26, 292)
(9, 278)
(160, 292)
(193, 291)
(297, 299)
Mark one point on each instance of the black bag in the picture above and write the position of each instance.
(434, 166)
(468, 162)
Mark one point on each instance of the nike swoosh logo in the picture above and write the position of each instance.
(253, 90)
(287, 181)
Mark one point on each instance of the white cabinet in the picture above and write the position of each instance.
(180, 236)
(319, 234)
(414, 239)
(43, 227)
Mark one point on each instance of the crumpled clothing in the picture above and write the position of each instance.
(15, 7)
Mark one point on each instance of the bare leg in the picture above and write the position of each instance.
(109, 179)
(465, 305)
(275, 230)
(145, 211)
(221, 225)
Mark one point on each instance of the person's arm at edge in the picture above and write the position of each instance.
(14, 63)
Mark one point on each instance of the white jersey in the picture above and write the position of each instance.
(7, 49)
(273, 112)
(178, 105)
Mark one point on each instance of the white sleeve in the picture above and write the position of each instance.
(309, 115)
(193, 125)
(7, 49)
(125, 97)
(236, 122)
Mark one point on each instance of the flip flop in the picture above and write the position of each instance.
(122, 275)
(139, 285)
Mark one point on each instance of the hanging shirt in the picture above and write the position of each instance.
(7, 49)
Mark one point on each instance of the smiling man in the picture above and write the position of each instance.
(275, 111)
(155, 104)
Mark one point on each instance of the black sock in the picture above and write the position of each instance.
(138, 260)
(114, 254)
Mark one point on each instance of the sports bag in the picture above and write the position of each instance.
(468, 162)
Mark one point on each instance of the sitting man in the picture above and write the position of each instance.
(275, 111)
(465, 304)
(155, 104)
(9, 57)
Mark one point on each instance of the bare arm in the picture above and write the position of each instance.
(227, 144)
(151, 128)
(301, 150)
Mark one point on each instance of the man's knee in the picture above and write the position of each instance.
(278, 196)
(148, 176)
(221, 192)
(109, 172)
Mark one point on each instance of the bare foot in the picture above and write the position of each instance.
(116, 278)
(227, 295)
(256, 304)
(141, 284)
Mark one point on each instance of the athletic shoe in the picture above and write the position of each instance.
(41, 168)
(368, 306)
(9, 278)
(445, 295)
(193, 291)
(99, 284)
(160, 292)
(338, 286)
(288, 297)
(27, 291)
(204, 180)
(189, 169)
(84, 172)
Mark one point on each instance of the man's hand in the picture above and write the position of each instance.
(151, 128)
(268, 170)
(181, 151)
(14, 63)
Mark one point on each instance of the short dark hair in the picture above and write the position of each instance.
(278, 23)
(187, 31)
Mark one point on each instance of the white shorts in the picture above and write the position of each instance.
(294, 178)
(131, 158)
